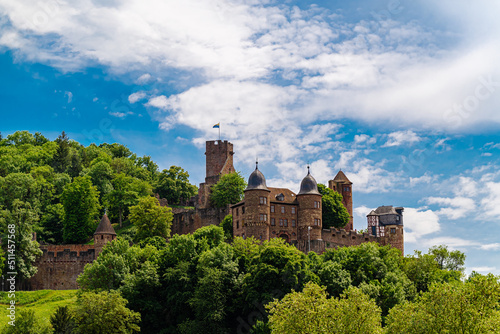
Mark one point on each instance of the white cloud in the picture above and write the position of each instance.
(399, 138)
(495, 246)
(457, 207)
(95, 99)
(121, 114)
(426, 179)
(144, 79)
(418, 223)
(69, 95)
(137, 96)
(490, 207)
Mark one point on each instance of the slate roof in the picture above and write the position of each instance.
(341, 178)
(105, 226)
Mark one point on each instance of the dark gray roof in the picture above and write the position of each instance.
(256, 181)
(384, 210)
(308, 186)
(105, 226)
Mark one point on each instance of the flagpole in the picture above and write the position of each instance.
(219, 131)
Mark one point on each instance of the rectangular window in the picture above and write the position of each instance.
(317, 222)
(285, 222)
(242, 209)
(393, 231)
(272, 208)
(293, 223)
(263, 200)
(237, 224)
(273, 222)
(316, 204)
(263, 217)
(293, 209)
(281, 222)
(237, 211)
(282, 209)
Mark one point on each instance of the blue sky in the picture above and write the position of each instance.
(402, 95)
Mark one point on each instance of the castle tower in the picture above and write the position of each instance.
(309, 215)
(219, 160)
(104, 232)
(343, 186)
(257, 205)
(386, 223)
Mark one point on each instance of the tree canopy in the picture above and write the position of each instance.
(229, 190)
(333, 211)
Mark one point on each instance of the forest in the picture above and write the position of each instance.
(149, 281)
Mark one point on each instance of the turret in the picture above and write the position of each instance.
(386, 223)
(104, 232)
(309, 214)
(257, 206)
(343, 186)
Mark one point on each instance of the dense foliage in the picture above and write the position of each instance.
(228, 190)
(199, 283)
(333, 211)
(60, 189)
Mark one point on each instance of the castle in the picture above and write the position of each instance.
(267, 212)
(264, 213)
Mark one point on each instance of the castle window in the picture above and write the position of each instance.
(282, 209)
(280, 197)
(263, 200)
(242, 210)
(273, 222)
(293, 223)
(397, 218)
(293, 233)
(317, 222)
(263, 217)
(243, 235)
(346, 189)
(285, 222)
(237, 211)
(272, 208)
(102, 236)
(316, 204)
(281, 222)
(293, 209)
(237, 224)
(393, 231)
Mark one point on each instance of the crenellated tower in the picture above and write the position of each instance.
(309, 215)
(343, 186)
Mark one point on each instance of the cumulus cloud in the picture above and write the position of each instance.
(419, 222)
(137, 96)
(457, 207)
(401, 137)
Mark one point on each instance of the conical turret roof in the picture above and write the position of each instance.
(256, 181)
(308, 186)
(105, 227)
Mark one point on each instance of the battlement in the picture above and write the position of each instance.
(60, 265)
(219, 160)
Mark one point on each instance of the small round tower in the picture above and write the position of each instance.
(309, 224)
(257, 205)
(104, 232)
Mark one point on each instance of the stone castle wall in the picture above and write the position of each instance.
(60, 265)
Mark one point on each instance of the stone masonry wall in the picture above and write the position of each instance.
(60, 265)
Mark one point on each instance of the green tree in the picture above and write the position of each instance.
(151, 219)
(458, 307)
(334, 212)
(173, 184)
(227, 225)
(26, 323)
(310, 311)
(62, 158)
(62, 321)
(101, 175)
(229, 190)
(126, 192)
(448, 260)
(105, 313)
(52, 223)
(19, 222)
(81, 207)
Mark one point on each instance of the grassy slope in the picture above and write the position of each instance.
(43, 302)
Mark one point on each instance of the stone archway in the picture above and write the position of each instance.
(285, 236)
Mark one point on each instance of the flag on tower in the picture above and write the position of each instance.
(217, 126)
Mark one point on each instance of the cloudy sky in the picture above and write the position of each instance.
(402, 95)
